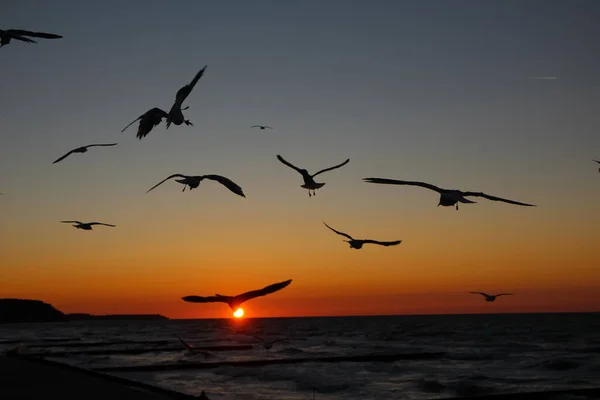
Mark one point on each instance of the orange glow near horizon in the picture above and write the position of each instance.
(239, 313)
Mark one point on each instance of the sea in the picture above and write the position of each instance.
(472, 354)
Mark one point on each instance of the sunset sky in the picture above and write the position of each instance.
(435, 91)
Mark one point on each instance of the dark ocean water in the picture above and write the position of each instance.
(484, 354)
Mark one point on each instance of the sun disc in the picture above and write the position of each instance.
(239, 313)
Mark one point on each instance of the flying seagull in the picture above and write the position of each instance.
(492, 297)
(261, 126)
(194, 181)
(148, 121)
(358, 243)
(82, 149)
(235, 301)
(86, 226)
(309, 182)
(448, 197)
(598, 163)
(268, 344)
(192, 350)
(175, 115)
(7, 35)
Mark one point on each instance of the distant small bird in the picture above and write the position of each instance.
(235, 301)
(194, 181)
(358, 243)
(448, 197)
(598, 163)
(175, 115)
(268, 344)
(491, 297)
(309, 182)
(82, 149)
(192, 351)
(86, 226)
(7, 35)
(148, 121)
(261, 126)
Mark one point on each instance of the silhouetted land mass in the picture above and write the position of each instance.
(24, 310)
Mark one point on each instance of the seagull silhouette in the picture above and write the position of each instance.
(261, 126)
(7, 35)
(598, 163)
(448, 197)
(309, 182)
(268, 344)
(86, 226)
(175, 114)
(491, 297)
(82, 149)
(235, 301)
(194, 181)
(358, 243)
(148, 121)
(193, 351)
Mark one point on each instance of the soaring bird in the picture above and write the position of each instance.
(194, 181)
(358, 243)
(86, 226)
(492, 297)
(7, 35)
(261, 126)
(193, 351)
(598, 163)
(148, 121)
(448, 197)
(175, 114)
(268, 344)
(82, 149)
(235, 301)
(309, 182)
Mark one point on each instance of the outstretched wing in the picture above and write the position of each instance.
(186, 345)
(166, 179)
(505, 294)
(63, 157)
(19, 37)
(597, 161)
(154, 112)
(392, 243)
(289, 164)
(34, 34)
(72, 222)
(339, 233)
(481, 293)
(228, 183)
(100, 223)
(206, 299)
(101, 144)
(330, 168)
(487, 196)
(185, 91)
(262, 292)
(386, 181)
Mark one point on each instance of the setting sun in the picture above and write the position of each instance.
(239, 313)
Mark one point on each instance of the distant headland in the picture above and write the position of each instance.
(24, 310)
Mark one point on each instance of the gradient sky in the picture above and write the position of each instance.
(437, 91)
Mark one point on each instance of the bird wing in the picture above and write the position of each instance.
(228, 183)
(63, 157)
(288, 164)
(255, 126)
(386, 181)
(185, 91)
(339, 233)
(166, 179)
(257, 337)
(207, 299)
(597, 161)
(481, 293)
(154, 110)
(72, 222)
(505, 294)
(392, 243)
(34, 34)
(101, 144)
(19, 37)
(262, 292)
(494, 198)
(330, 168)
(186, 345)
(100, 223)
